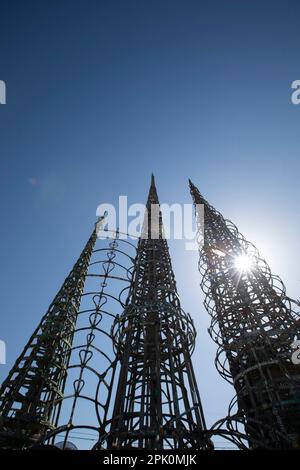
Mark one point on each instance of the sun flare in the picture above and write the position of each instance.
(243, 263)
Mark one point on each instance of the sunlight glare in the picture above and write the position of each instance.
(243, 263)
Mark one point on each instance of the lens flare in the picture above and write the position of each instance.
(243, 263)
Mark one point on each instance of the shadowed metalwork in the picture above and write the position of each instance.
(157, 401)
(30, 395)
(90, 389)
(254, 324)
(109, 366)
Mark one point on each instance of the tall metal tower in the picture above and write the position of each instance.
(29, 397)
(157, 402)
(110, 362)
(254, 324)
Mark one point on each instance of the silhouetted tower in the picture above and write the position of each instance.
(254, 324)
(111, 357)
(157, 401)
(29, 397)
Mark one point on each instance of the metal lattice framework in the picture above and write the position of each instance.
(30, 395)
(254, 324)
(109, 366)
(157, 402)
(61, 387)
(86, 406)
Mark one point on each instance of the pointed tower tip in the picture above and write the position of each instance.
(195, 193)
(191, 184)
(152, 197)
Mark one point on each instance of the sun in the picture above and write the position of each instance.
(243, 263)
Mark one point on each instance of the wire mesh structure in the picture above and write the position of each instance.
(157, 402)
(254, 324)
(109, 366)
(60, 387)
(87, 403)
(30, 395)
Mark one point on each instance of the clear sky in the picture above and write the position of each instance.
(102, 93)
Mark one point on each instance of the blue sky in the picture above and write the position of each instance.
(100, 94)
